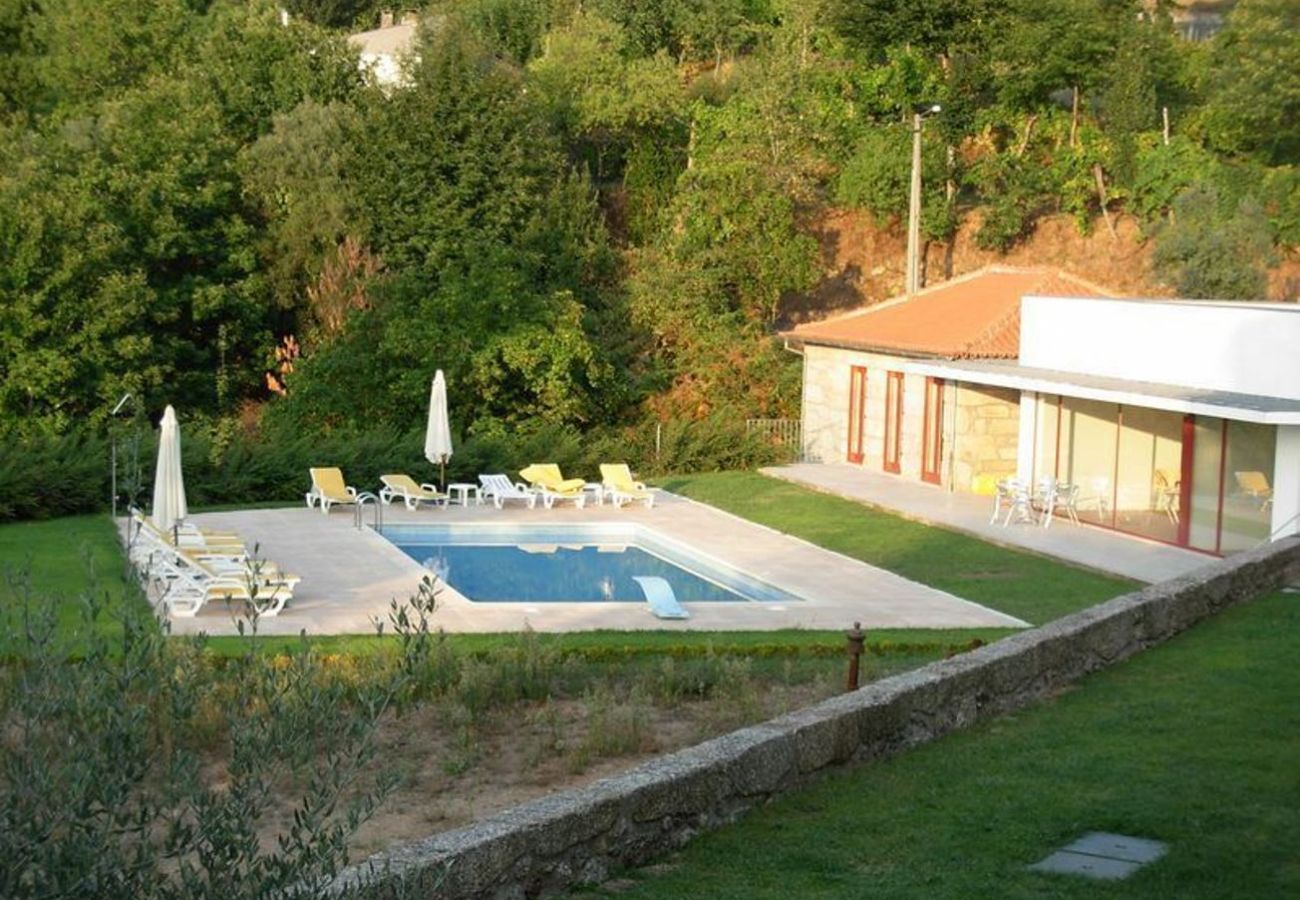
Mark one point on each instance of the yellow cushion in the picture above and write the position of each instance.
(402, 482)
(984, 483)
(547, 475)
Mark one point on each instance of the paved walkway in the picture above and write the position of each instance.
(350, 576)
(1096, 548)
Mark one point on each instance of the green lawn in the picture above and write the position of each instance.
(1193, 743)
(59, 560)
(1030, 587)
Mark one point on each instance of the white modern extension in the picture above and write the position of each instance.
(1178, 420)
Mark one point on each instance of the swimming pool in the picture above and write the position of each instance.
(571, 563)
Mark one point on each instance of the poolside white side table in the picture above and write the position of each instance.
(595, 489)
(461, 491)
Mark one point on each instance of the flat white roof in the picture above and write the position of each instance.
(1170, 397)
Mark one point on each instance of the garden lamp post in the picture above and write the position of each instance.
(914, 201)
(113, 453)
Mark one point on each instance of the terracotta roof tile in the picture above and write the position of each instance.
(973, 316)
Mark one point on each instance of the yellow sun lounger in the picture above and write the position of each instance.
(328, 489)
(403, 487)
(546, 480)
(621, 487)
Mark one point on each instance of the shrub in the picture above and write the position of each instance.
(108, 785)
(1213, 254)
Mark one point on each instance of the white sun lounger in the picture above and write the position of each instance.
(499, 489)
(659, 594)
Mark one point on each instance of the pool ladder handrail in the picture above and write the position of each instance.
(362, 499)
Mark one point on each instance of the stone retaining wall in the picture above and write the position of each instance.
(582, 835)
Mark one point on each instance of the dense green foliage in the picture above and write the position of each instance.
(47, 476)
(591, 216)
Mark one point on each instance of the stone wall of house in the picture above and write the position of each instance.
(986, 428)
(578, 836)
(826, 408)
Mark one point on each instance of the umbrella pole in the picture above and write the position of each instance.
(442, 473)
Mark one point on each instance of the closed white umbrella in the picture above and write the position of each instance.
(437, 438)
(168, 482)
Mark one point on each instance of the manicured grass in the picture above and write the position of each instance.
(63, 556)
(618, 645)
(1030, 587)
(1193, 743)
(60, 560)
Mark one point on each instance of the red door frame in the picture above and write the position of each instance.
(893, 423)
(1185, 481)
(932, 455)
(857, 412)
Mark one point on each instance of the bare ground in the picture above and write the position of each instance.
(864, 261)
(454, 769)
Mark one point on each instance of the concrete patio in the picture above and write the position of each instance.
(1084, 545)
(350, 576)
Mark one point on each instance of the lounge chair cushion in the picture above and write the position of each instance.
(329, 484)
(547, 475)
(405, 484)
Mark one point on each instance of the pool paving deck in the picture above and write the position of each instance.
(1083, 545)
(350, 576)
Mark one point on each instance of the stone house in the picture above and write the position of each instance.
(1172, 420)
(862, 406)
(384, 51)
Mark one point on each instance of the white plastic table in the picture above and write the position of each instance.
(596, 490)
(462, 490)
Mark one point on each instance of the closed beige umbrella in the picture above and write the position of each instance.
(437, 438)
(169, 508)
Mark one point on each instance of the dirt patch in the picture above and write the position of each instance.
(453, 775)
(453, 770)
(864, 261)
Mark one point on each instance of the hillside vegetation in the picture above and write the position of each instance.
(591, 215)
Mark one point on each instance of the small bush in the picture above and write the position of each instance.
(108, 733)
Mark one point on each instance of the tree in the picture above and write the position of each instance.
(335, 13)
(130, 251)
(1211, 254)
(1253, 102)
(1045, 46)
(598, 99)
(298, 173)
(939, 27)
(496, 257)
(90, 51)
(1128, 103)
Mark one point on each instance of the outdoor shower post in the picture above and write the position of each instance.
(856, 639)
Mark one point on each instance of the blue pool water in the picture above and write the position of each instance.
(570, 564)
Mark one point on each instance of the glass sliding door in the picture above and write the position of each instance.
(1148, 473)
(1247, 486)
(1089, 432)
(1207, 473)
